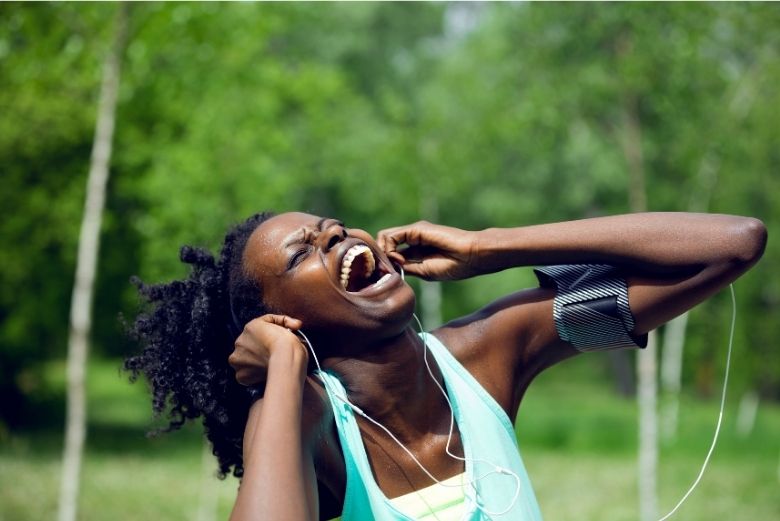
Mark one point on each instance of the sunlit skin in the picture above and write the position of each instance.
(301, 279)
(671, 262)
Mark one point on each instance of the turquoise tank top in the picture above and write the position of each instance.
(486, 434)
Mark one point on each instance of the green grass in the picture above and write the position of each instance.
(577, 438)
(579, 443)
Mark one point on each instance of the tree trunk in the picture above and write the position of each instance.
(647, 479)
(430, 291)
(671, 374)
(86, 264)
(741, 100)
(746, 415)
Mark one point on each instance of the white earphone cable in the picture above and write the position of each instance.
(496, 468)
(722, 406)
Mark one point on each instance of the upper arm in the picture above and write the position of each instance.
(518, 333)
(327, 478)
(652, 300)
(517, 336)
(274, 458)
(578, 307)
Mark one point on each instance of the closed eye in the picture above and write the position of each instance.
(298, 257)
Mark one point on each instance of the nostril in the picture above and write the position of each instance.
(334, 239)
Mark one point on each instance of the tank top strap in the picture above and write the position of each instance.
(487, 436)
(454, 373)
(363, 499)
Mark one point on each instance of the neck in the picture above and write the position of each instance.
(390, 382)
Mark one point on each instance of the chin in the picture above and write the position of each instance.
(402, 309)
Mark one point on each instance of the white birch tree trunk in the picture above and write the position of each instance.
(674, 332)
(747, 412)
(671, 374)
(86, 264)
(430, 291)
(741, 100)
(647, 398)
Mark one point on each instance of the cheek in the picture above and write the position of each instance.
(308, 297)
(290, 302)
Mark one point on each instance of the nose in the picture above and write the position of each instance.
(331, 236)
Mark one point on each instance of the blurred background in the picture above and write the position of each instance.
(468, 114)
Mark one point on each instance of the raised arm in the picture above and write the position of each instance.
(670, 261)
(279, 481)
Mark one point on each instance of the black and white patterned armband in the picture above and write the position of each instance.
(591, 306)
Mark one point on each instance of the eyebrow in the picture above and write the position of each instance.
(333, 222)
(321, 222)
(298, 238)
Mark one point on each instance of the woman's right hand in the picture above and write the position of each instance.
(432, 251)
(269, 337)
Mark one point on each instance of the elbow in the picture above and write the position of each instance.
(750, 239)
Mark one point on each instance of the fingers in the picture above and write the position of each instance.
(397, 258)
(416, 269)
(257, 336)
(249, 370)
(422, 245)
(249, 376)
(265, 338)
(389, 238)
(284, 321)
(420, 241)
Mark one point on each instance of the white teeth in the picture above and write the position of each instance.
(351, 255)
(383, 279)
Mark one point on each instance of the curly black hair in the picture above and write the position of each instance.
(187, 334)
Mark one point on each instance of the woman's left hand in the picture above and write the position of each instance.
(433, 252)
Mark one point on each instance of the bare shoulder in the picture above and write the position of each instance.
(505, 344)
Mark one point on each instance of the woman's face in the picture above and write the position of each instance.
(334, 279)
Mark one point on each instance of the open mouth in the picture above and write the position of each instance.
(359, 269)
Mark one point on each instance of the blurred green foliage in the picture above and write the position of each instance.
(474, 115)
(578, 441)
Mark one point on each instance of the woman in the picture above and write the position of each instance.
(376, 422)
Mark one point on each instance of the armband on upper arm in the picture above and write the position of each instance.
(591, 309)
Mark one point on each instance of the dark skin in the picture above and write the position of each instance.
(293, 463)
